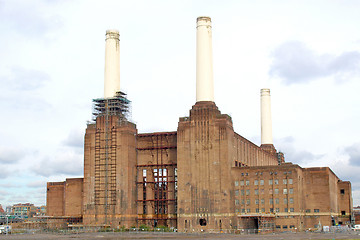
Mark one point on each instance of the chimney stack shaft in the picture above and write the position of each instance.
(112, 64)
(204, 61)
(266, 124)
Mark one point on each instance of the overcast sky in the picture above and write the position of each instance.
(52, 66)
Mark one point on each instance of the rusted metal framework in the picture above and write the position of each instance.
(158, 182)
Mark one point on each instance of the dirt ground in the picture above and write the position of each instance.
(110, 236)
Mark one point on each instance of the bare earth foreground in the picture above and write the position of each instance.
(351, 235)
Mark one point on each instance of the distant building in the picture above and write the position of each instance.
(25, 210)
(202, 177)
(2, 211)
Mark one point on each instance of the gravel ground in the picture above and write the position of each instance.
(97, 236)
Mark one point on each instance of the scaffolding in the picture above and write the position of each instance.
(158, 182)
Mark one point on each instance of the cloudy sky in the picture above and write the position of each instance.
(52, 66)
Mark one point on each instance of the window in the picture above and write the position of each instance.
(262, 201)
(248, 210)
(285, 201)
(242, 192)
(256, 182)
(236, 183)
(202, 222)
(271, 201)
(270, 191)
(144, 172)
(285, 226)
(285, 181)
(343, 213)
(242, 183)
(262, 191)
(237, 210)
(290, 181)
(247, 201)
(257, 210)
(236, 192)
(271, 210)
(316, 210)
(277, 209)
(247, 192)
(286, 210)
(278, 227)
(276, 200)
(261, 182)
(243, 210)
(291, 191)
(291, 209)
(292, 226)
(256, 191)
(307, 210)
(236, 201)
(242, 201)
(276, 181)
(291, 200)
(342, 191)
(276, 191)
(247, 182)
(256, 201)
(263, 210)
(284, 191)
(270, 182)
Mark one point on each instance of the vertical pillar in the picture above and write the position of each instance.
(266, 124)
(204, 61)
(112, 64)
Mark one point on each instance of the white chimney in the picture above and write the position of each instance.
(112, 64)
(204, 61)
(266, 124)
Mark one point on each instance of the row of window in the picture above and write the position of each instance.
(262, 181)
(260, 173)
(262, 191)
(257, 210)
(285, 226)
(262, 201)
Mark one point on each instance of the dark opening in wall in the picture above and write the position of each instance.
(202, 222)
(342, 191)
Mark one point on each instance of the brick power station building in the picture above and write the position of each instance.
(202, 176)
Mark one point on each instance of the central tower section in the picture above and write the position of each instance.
(204, 150)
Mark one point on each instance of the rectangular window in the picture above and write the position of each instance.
(271, 210)
(247, 182)
(242, 183)
(243, 210)
(261, 182)
(236, 192)
(276, 200)
(242, 201)
(261, 191)
(291, 209)
(285, 181)
(277, 209)
(270, 182)
(278, 227)
(247, 192)
(144, 172)
(285, 226)
(284, 191)
(290, 181)
(307, 210)
(276, 181)
(248, 210)
(256, 201)
(247, 201)
(316, 210)
(271, 201)
(291, 191)
(286, 210)
(242, 192)
(257, 210)
(236, 183)
(343, 213)
(342, 191)
(256, 182)
(262, 201)
(270, 191)
(285, 201)
(256, 191)
(291, 200)
(236, 201)
(292, 226)
(276, 191)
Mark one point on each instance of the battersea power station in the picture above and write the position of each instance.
(202, 177)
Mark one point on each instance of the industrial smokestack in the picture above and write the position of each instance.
(266, 124)
(112, 64)
(204, 61)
